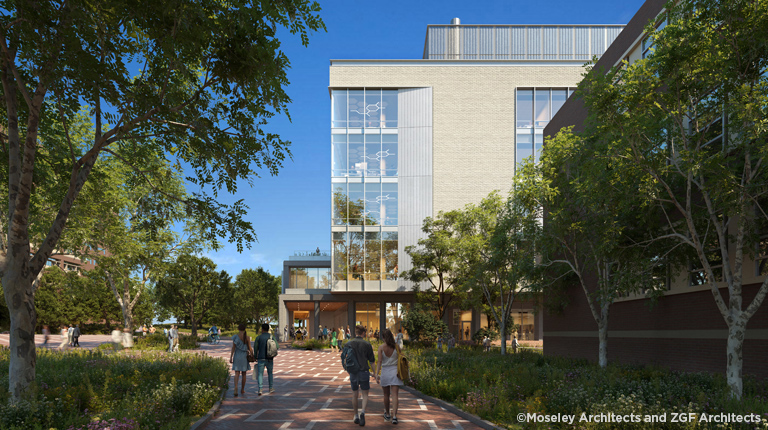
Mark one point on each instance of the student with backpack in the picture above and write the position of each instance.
(266, 350)
(389, 373)
(357, 358)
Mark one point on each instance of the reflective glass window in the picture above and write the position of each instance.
(524, 109)
(373, 263)
(367, 315)
(355, 108)
(524, 147)
(373, 155)
(558, 99)
(542, 108)
(538, 142)
(356, 204)
(339, 100)
(339, 204)
(372, 203)
(339, 157)
(324, 278)
(373, 109)
(389, 109)
(356, 155)
(339, 240)
(356, 255)
(388, 155)
(389, 254)
(395, 313)
(388, 204)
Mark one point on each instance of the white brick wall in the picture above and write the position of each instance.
(473, 122)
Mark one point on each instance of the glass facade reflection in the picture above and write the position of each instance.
(534, 109)
(367, 315)
(364, 189)
(310, 278)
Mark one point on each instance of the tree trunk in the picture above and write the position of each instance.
(503, 336)
(192, 321)
(21, 306)
(602, 334)
(735, 360)
(128, 318)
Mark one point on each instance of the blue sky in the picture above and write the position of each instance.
(291, 211)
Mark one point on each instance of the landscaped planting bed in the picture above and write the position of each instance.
(81, 389)
(498, 388)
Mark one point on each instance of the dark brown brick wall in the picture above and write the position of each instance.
(691, 311)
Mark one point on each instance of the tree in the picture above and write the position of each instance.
(190, 288)
(690, 122)
(497, 249)
(190, 80)
(594, 224)
(435, 262)
(422, 323)
(257, 294)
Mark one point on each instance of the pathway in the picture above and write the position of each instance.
(312, 393)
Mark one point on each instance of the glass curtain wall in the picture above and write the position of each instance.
(535, 107)
(310, 278)
(364, 194)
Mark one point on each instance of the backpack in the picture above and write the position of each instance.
(403, 372)
(349, 360)
(271, 348)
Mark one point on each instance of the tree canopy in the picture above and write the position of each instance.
(193, 83)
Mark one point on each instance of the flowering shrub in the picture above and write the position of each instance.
(85, 390)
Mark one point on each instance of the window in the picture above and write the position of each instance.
(648, 41)
(697, 274)
(369, 108)
(534, 109)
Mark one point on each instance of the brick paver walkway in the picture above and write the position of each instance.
(313, 393)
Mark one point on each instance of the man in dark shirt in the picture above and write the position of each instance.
(361, 380)
(262, 361)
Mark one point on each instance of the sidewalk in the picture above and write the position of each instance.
(313, 392)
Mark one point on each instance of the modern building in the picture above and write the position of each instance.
(683, 330)
(410, 138)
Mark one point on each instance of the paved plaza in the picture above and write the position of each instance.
(312, 393)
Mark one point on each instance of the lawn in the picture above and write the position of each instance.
(82, 389)
(498, 388)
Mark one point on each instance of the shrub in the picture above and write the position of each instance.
(310, 344)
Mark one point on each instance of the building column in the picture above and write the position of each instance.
(283, 315)
(351, 317)
(316, 321)
(382, 317)
(475, 326)
(538, 325)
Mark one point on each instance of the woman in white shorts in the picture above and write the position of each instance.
(386, 374)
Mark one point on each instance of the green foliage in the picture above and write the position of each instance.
(435, 264)
(422, 324)
(153, 391)
(158, 342)
(310, 344)
(498, 387)
(190, 288)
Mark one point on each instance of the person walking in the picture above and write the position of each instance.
(117, 339)
(399, 338)
(440, 342)
(46, 334)
(347, 334)
(64, 338)
(360, 375)
(167, 333)
(334, 340)
(386, 374)
(76, 336)
(515, 344)
(487, 344)
(238, 356)
(320, 333)
(263, 359)
(175, 337)
(451, 342)
(70, 332)
(285, 333)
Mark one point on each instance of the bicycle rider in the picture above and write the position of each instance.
(213, 332)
